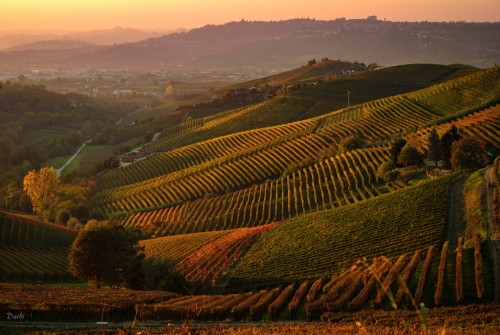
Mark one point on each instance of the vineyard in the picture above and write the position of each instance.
(276, 173)
(382, 282)
(33, 250)
(326, 242)
(286, 222)
(364, 285)
(18, 230)
(343, 179)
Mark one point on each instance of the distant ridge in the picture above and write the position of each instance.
(50, 45)
(287, 44)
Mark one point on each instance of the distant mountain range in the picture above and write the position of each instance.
(283, 45)
(117, 35)
(50, 45)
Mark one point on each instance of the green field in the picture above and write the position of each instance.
(327, 242)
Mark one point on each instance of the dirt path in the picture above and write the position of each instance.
(60, 170)
(455, 213)
(309, 110)
(184, 118)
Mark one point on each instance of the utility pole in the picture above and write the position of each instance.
(348, 101)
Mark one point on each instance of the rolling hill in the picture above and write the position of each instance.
(286, 44)
(282, 220)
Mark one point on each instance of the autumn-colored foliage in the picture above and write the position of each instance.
(441, 273)
(407, 274)
(423, 274)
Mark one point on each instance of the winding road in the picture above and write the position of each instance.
(60, 170)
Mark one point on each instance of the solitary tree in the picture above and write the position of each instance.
(105, 253)
(409, 156)
(468, 154)
(396, 147)
(447, 140)
(434, 152)
(41, 188)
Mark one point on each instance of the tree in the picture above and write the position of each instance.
(468, 154)
(409, 156)
(396, 147)
(434, 152)
(446, 143)
(104, 253)
(41, 188)
(48, 195)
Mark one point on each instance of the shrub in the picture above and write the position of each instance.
(410, 156)
(298, 297)
(468, 154)
(63, 216)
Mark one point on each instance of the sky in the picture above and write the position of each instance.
(83, 15)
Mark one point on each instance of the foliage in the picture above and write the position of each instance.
(396, 147)
(446, 145)
(434, 147)
(49, 196)
(41, 188)
(106, 254)
(62, 217)
(409, 156)
(351, 142)
(468, 154)
(387, 172)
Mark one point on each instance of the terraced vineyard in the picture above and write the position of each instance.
(326, 242)
(352, 290)
(349, 290)
(483, 125)
(275, 217)
(239, 180)
(33, 250)
(340, 180)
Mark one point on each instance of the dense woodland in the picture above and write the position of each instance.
(38, 124)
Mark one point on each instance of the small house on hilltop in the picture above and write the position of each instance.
(134, 157)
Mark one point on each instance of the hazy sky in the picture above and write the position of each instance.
(166, 14)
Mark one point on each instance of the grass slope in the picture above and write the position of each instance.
(326, 242)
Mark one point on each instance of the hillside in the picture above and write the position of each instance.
(32, 250)
(286, 44)
(197, 174)
(269, 211)
(50, 45)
